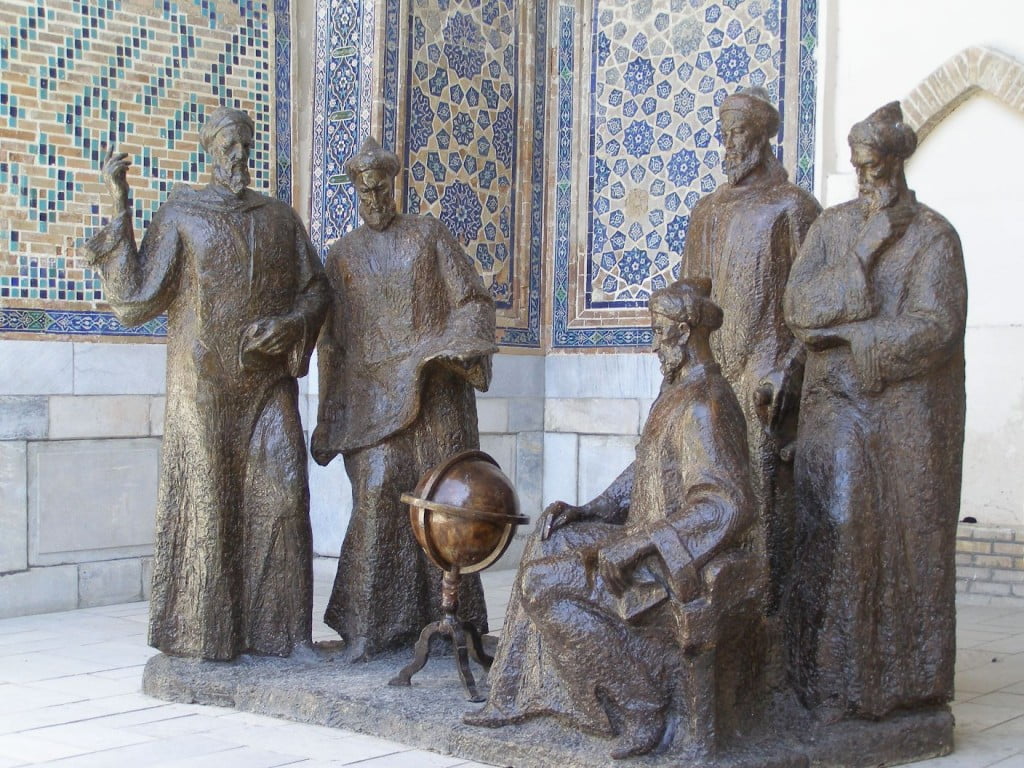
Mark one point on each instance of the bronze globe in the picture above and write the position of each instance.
(463, 513)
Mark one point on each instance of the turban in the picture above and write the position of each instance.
(372, 157)
(885, 131)
(756, 104)
(220, 119)
(688, 301)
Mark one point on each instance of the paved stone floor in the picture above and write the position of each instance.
(69, 697)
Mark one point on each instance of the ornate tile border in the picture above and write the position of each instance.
(604, 268)
(342, 99)
(56, 274)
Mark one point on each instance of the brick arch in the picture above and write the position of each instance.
(965, 74)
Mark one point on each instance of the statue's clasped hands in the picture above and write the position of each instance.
(270, 336)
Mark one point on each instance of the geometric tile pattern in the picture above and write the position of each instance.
(342, 102)
(457, 124)
(79, 75)
(656, 74)
(461, 103)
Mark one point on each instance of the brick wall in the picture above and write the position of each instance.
(989, 565)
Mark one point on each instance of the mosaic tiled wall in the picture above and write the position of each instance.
(468, 125)
(79, 75)
(631, 141)
(638, 99)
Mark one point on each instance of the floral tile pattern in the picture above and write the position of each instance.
(462, 116)
(657, 73)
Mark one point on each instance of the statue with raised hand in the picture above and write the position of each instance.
(245, 296)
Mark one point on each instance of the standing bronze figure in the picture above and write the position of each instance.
(410, 335)
(879, 296)
(245, 296)
(624, 608)
(744, 237)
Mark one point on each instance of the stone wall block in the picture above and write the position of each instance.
(492, 414)
(36, 368)
(989, 588)
(39, 590)
(503, 449)
(601, 460)
(99, 416)
(993, 561)
(561, 454)
(1015, 549)
(592, 416)
(120, 369)
(92, 499)
(525, 414)
(23, 417)
(147, 577)
(330, 505)
(529, 480)
(627, 375)
(975, 546)
(157, 409)
(972, 573)
(13, 506)
(516, 376)
(109, 582)
(993, 534)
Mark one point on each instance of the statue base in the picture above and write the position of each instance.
(317, 686)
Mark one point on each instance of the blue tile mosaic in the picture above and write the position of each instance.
(78, 76)
(657, 73)
(342, 100)
(462, 107)
(455, 126)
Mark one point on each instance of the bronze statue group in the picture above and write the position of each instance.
(788, 523)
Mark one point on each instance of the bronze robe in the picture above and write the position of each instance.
(878, 464)
(403, 299)
(688, 493)
(232, 568)
(744, 238)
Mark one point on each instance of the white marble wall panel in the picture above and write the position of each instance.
(109, 582)
(157, 408)
(36, 368)
(13, 506)
(516, 376)
(119, 369)
(492, 414)
(601, 459)
(592, 416)
(330, 505)
(633, 375)
(23, 417)
(147, 577)
(560, 468)
(503, 449)
(525, 414)
(94, 416)
(993, 487)
(40, 590)
(91, 499)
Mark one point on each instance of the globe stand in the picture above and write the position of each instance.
(463, 514)
(457, 630)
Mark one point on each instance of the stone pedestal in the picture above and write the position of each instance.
(317, 687)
